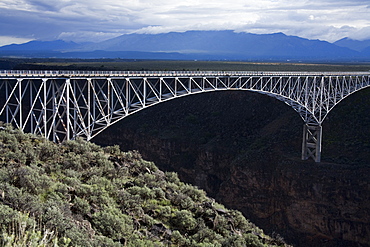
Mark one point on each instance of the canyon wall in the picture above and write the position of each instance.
(244, 150)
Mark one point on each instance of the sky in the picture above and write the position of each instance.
(98, 20)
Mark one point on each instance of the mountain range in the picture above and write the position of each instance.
(201, 45)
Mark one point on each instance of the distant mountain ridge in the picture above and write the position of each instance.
(356, 45)
(56, 45)
(209, 45)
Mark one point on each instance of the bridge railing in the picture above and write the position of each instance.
(78, 73)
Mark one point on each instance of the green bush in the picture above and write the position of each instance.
(113, 223)
(184, 220)
(7, 215)
(81, 206)
(24, 232)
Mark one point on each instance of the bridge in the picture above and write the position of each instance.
(63, 105)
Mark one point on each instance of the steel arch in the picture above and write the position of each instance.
(64, 105)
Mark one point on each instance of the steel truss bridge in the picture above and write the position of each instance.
(63, 105)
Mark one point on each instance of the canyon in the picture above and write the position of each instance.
(244, 148)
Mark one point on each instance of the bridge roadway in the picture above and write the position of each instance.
(77, 73)
(62, 105)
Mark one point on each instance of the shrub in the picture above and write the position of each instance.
(7, 215)
(184, 220)
(24, 232)
(112, 223)
(144, 192)
(81, 205)
(172, 177)
(179, 239)
(56, 217)
(48, 152)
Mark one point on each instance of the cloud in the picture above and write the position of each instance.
(24, 24)
(95, 20)
(86, 36)
(362, 34)
(6, 40)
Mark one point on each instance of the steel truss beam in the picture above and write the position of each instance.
(64, 105)
(311, 144)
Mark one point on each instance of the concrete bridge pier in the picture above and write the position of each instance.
(311, 144)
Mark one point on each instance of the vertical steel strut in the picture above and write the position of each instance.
(311, 143)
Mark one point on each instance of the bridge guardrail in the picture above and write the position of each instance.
(78, 73)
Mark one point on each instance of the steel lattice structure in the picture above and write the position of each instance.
(62, 105)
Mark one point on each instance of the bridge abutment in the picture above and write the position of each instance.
(311, 144)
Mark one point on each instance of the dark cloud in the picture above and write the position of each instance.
(100, 19)
(51, 6)
(28, 25)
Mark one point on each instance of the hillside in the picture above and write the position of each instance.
(79, 194)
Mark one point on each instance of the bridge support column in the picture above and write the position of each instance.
(311, 145)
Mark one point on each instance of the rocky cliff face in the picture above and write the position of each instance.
(244, 150)
(310, 206)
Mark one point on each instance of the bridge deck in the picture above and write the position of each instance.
(69, 74)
